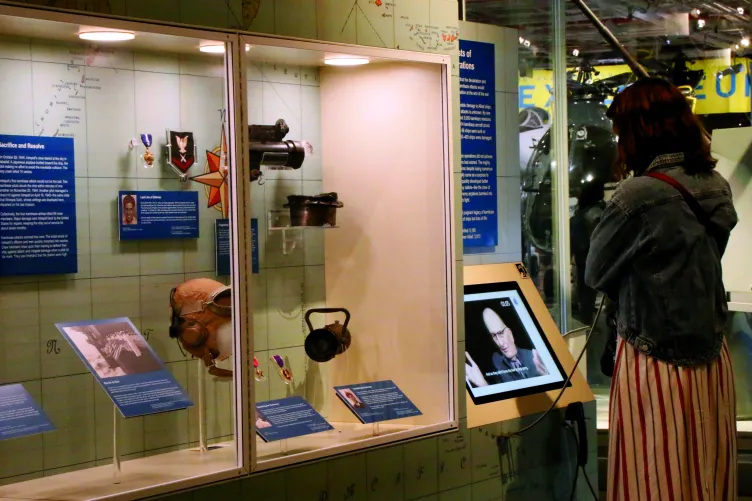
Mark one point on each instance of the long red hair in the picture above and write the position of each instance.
(652, 117)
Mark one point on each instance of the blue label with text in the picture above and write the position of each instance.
(377, 401)
(20, 415)
(150, 215)
(287, 418)
(480, 226)
(126, 367)
(37, 206)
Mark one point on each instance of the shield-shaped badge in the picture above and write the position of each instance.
(181, 150)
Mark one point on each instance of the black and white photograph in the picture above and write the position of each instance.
(112, 349)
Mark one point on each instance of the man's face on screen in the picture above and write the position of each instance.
(501, 335)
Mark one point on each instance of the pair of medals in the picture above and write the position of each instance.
(284, 372)
(181, 148)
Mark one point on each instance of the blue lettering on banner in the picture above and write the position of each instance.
(550, 95)
(126, 367)
(151, 215)
(480, 227)
(378, 401)
(700, 86)
(288, 418)
(20, 415)
(719, 89)
(37, 206)
(222, 247)
(524, 96)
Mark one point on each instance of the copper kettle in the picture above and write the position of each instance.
(323, 344)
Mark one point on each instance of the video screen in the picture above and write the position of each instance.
(506, 353)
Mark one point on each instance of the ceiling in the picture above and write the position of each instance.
(647, 28)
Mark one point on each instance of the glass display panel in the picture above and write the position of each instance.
(117, 325)
(504, 340)
(705, 50)
(352, 313)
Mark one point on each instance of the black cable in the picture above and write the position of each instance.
(584, 471)
(590, 484)
(566, 383)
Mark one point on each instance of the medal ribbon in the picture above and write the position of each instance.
(146, 139)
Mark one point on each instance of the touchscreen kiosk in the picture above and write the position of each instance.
(516, 361)
(505, 349)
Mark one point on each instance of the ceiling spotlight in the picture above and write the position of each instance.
(740, 10)
(522, 40)
(526, 43)
(668, 41)
(745, 42)
(736, 46)
(700, 23)
(346, 61)
(696, 12)
(218, 48)
(576, 52)
(106, 35)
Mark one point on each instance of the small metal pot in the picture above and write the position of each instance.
(322, 345)
(318, 210)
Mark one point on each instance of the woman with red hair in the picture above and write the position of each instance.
(657, 254)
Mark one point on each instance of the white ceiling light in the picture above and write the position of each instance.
(218, 48)
(346, 61)
(701, 23)
(740, 10)
(106, 35)
(576, 52)
(696, 12)
(745, 42)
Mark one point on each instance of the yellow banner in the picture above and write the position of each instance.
(724, 94)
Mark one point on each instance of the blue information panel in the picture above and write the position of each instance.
(288, 418)
(222, 246)
(37, 206)
(125, 365)
(149, 215)
(378, 401)
(480, 227)
(20, 415)
(254, 246)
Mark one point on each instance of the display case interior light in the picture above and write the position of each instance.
(106, 35)
(217, 48)
(346, 61)
(214, 48)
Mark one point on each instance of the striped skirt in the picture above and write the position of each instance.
(672, 430)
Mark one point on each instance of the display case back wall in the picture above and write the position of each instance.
(388, 263)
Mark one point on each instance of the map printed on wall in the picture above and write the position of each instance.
(402, 24)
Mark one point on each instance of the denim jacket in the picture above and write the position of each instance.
(653, 257)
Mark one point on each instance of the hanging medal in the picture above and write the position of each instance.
(260, 376)
(284, 372)
(146, 139)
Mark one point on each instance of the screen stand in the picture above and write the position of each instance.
(376, 429)
(115, 449)
(283, 447)
(201, 408)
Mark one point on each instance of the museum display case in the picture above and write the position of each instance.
(219, 253)
(106, 129)
(351, 203)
